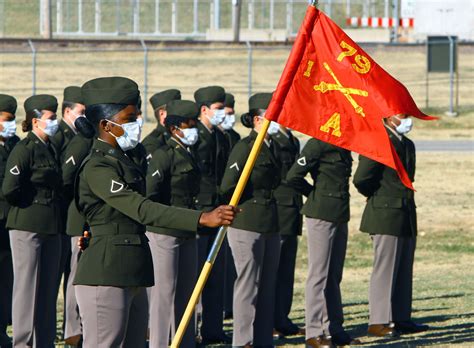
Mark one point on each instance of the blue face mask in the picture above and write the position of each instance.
(190, 136)
(218, 117)
(228, 122)
(131, 135)
(51, 128)
(9, 129)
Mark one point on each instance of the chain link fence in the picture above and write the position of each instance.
(41, 67)
(176, 19)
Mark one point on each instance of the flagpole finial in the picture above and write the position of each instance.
(314, 3)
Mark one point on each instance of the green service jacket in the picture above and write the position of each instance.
(288, 200)
(211, 152)
(138, 156)
(173, 179)
(259, 210)
(330, 168)
(5, 150)
(232, 138)
(156, 139)
(390, 207)
(32, 186)
(109, 191)
(73, 156)
(62, 138)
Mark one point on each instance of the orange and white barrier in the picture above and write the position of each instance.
(379, 22)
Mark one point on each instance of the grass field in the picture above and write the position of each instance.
(444, 273)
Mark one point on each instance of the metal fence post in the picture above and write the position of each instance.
(98, 15)
(79, 16)
(249, 65)
(157, 16)
(272, 14)
(59, 16)
(451, 77)
(174, 14)
(195, 16)
(217, 14)
(145, 80)
(289, 17)
(33, 66)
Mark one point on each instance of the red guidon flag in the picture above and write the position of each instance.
(332, 90)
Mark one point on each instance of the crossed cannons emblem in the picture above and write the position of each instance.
(324, 87)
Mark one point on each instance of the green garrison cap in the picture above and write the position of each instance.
(260, 101)
(110, 90)
(73, 94)
(162, 98)
(41, 102)
(7, 103)
(182, 108)
(229, 100)
(209, 95)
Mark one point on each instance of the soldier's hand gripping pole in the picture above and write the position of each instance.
(206, 270)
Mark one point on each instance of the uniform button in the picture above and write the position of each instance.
(386, 205)
(127, 241)
(330, 194)
(255, 201)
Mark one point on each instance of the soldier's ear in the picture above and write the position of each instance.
(104, 125)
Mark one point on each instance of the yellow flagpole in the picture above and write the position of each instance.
(206, 270)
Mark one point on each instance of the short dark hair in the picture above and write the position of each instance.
(97, 112)
(67, 104)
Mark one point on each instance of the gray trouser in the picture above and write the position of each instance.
(230, 276)
(212, 298)
(390, 294)
(36, 268)
(327, 242)
(256, 261)
(72, 319)
(113, 316)
(174, 261)
(285, 281)
(6, 289)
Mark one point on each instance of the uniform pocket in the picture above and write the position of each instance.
(125, 240)
(384, 202)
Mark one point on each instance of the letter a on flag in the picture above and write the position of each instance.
(332, 90)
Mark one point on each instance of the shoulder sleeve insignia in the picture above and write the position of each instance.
(301, 161)
(71, 160)
(156, 172)
(15, 170)
(149, 156)
(116, 186)
(236, 166)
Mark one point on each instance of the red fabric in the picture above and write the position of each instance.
(306, 102)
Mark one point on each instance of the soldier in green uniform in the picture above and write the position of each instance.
(32, 186)
(172, 180)
(76, 151)
(227, 127)
(8, 140)
(139, 154)
(114, 270)
(326, 214)
(253, 237)
(390, 218)
(158, 137)
(211, 151)
(290, 224)
(72, 108)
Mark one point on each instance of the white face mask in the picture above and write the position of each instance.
(51, 128)
(406, 124)
(228, 122)
(218, 117)
(274, 128)
(9, 129)
(190, 136)
(131, 135)
(140, 121)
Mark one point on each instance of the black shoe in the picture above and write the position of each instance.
(289, 330)
(409, 327)
(222, 339)
(343, 339)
